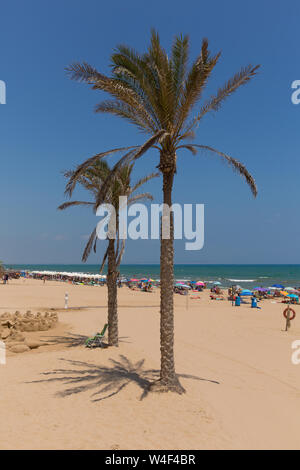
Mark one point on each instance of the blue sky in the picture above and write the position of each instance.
(48, 125)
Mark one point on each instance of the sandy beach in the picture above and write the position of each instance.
(242, 390)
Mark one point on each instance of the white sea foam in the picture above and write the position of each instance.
(70, 274)
(241, 280)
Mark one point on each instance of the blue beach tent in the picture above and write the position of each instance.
(246, 292)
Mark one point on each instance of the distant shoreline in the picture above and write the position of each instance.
(248, 275)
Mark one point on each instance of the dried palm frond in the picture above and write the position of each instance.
(103, 261)
(89, 246)
(120, 253)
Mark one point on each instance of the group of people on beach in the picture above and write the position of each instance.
(149, 285)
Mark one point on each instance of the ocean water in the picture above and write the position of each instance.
(247, 275)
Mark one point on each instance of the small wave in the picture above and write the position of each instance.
(241, 280)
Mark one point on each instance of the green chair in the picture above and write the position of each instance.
(97, 340)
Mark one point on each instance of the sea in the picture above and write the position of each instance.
(246, 275)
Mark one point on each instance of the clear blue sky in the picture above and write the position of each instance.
(48, 125)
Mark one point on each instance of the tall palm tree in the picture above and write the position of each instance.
(158, 93)
(92, 179)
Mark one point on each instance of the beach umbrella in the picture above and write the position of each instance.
(184, 286)
(134, 280)
(217, 283)
(291, 289)
(246, 292)
(199, 283)
(282, 292)
(278, 286)
(293, 296)
(260, 289)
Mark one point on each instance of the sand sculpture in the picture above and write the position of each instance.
(12, 326)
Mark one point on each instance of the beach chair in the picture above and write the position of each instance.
(97, 340)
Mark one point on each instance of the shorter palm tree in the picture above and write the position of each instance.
(93, 180)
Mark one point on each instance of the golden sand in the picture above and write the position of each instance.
(242, 390)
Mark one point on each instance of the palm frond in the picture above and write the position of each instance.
(103, 260)
(89, 246)
(189, 147)
(190, 134)
(158, 62)
(195, 83)
(65, 205)
(143, 181)
(113, 86)
(127, 159)
(120, 253)
(215, 102)
(70, 186)
(235, 164)
(139, 197)
(139, 117)
(83, 73)
(179, 59)
(134, 72)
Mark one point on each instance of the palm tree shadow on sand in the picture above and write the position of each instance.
(107, 380)
(71, 340)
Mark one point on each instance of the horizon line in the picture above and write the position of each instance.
(157, 264)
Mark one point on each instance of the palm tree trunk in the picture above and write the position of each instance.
(168, 379)
(113, 335)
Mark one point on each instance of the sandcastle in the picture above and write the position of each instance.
(12, 325)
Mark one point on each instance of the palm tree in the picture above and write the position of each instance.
(92, 180)
(158, 93)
